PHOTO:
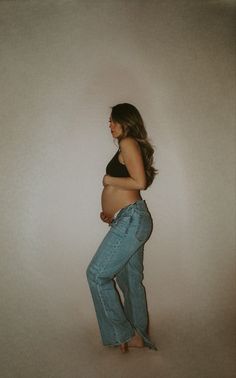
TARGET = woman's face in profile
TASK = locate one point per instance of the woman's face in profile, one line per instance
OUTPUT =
(116, 128)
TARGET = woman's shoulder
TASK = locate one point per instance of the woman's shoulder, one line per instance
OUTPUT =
(128, 142)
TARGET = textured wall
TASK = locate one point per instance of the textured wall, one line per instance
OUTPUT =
(63, 64)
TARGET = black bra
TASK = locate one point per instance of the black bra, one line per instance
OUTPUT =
(115, 168)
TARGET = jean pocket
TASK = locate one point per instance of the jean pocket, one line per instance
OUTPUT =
(144, 227)
(121, 225)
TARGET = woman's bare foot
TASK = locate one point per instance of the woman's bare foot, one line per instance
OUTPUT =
(136, 342)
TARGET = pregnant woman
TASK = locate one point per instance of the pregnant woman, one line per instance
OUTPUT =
(119, 258)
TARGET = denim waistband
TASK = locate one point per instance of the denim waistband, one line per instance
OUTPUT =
(139, 205)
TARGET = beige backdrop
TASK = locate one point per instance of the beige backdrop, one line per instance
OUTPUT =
(63, 65)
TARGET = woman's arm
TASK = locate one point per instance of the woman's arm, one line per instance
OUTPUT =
(133, 160)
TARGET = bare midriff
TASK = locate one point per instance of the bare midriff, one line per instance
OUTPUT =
(114, 199)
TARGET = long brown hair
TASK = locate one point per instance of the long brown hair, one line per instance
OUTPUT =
(132, 124)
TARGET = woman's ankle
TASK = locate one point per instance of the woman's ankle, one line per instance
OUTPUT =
(136, 341)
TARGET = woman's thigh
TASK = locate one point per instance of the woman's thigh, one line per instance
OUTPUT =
(115, 250)
(125, 237)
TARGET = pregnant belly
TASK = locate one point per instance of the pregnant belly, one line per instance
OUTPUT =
(114, 199)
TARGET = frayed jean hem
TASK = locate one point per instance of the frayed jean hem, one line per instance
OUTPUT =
(121, 342)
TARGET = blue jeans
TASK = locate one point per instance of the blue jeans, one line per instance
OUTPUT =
(119, 259)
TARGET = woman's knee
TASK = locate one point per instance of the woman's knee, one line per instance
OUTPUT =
(93, 273)
(90, 273)
(97, 276)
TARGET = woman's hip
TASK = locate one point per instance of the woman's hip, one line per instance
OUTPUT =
(133, 222)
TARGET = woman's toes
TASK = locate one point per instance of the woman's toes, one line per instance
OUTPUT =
(124, 347)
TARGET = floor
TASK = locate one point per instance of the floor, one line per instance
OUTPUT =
(65, 345)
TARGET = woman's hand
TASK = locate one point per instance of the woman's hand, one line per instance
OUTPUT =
(105, 218)
(105, 180)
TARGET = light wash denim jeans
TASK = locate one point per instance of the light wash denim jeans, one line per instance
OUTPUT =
(120, 257)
